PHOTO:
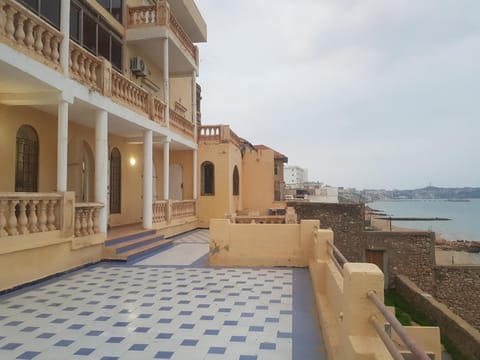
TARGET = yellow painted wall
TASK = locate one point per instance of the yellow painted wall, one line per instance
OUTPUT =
(30, 265)
(214, 206)
(11, 118)
(260, 244)
(185, 160)
(258, 180)
(181, 91)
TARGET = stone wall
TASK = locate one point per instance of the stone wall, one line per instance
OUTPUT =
(346, 221)
(457, 330)
(407, 253)
(458, 286)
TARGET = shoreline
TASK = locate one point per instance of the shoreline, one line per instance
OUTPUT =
(447, 252)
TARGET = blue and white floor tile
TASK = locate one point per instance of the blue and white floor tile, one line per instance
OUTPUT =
(148, 312)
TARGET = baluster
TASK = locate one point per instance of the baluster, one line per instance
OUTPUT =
(38, 46)
(3, 218)
(55, 51)
(96, 223)
(10, 22)
(81, 64)
(47, 46)
(22, 217)
(93, 72)
(3, 18)
(84, 222)
(12, 219)
(75, 67)
(29, 39)
(90, 213)
(20, 33)
(51, 215)
(87, 70)
(78, 222)
(42, 216)
(32, 216)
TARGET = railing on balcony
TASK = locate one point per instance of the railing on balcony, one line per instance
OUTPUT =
(29, 33)
(218, 133)
(129, 93)
(209, 133)
(271, 219)
(86, 218)
(183, 208)
(166, 211)
(160, 211)
(158, 113)
(84, 66)
(160, 15)
(25, 213)
(180, 124)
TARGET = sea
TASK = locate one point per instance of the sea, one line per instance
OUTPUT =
(464, 215)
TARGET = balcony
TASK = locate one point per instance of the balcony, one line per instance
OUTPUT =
(24, 31)
(147, 24)
(218, 134)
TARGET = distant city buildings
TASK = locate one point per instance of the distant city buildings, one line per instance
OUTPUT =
(295, 175)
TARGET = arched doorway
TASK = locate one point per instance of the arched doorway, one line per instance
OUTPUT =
(26, 170)
(87, 168)
(176, 182)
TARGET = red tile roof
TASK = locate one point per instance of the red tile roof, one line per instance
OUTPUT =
(276, 154)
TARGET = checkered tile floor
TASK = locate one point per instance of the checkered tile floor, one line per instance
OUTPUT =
(167, 306)
(147, 312)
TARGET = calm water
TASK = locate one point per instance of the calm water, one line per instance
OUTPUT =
(465, 223)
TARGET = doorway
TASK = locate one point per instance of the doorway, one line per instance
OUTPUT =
(176, 182)
(377, 257)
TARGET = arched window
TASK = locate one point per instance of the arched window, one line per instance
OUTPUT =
(115, 181)
(236, 181)
(208, 178)
(26, 170)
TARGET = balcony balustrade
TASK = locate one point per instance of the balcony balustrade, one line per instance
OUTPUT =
(129, 93)
(181, 125)
(218, 134)
(86, 218)
(160, 15)
(166, 211)
(26, 213)
(27, 32)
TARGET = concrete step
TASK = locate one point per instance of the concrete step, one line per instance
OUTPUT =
(133, 236)
(145, 250)
(128, 245)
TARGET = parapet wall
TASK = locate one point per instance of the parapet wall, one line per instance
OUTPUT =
(451, 325)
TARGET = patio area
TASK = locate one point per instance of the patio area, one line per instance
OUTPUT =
(167, 306)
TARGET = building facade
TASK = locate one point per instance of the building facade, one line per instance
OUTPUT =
(98, 125)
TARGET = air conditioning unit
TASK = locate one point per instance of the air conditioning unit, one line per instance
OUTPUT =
(138, 67)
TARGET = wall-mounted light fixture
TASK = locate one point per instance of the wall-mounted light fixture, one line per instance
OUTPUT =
(133, 161)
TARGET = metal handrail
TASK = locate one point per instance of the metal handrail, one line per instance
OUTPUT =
(389, 344)
(337, 257)
(418, 353)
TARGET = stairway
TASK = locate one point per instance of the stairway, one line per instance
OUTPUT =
(135, 246)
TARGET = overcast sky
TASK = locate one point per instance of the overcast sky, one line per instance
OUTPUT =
(365, 93)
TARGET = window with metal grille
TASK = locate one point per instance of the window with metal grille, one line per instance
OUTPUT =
(26, 170)
(208, 178)
(236, 181)
(115, 181)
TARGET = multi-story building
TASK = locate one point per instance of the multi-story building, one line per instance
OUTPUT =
(295, 175)
(98, 124)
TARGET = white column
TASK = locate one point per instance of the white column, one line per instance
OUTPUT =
(194, 102)
(62, 146)
(147, 179)
(101, 166)
(65, 29)
(166, 169)
(195, 174)
(166, 81)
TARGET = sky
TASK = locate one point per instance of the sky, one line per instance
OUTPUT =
(363, 93)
